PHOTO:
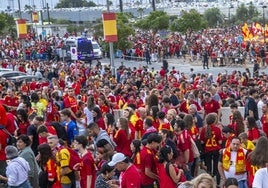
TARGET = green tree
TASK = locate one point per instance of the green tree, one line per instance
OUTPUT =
(156, 21)
(214, 17)
(189, 21)
(8, 25)
(244, 14)
(75, 4)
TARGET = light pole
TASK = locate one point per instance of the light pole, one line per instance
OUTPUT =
(19, 9)
(264, 37)
(229, 14)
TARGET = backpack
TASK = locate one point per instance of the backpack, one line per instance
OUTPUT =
(74, 158)
(11, 139)
(61, 131)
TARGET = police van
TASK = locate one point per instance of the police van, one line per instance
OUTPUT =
(83, 46)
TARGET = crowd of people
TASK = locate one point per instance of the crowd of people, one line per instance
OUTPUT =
(84, 127)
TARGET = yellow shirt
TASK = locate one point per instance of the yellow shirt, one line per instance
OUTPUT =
(63, 157)
(248, 146)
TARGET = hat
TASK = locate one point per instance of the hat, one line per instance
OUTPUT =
(117, 158)
(11, 152)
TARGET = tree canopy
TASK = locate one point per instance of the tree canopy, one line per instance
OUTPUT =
(75, 4)
(189, 21)
(214, 17)
(156, 21)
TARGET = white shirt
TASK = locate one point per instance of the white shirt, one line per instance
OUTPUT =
(231, 172)
(261, 179)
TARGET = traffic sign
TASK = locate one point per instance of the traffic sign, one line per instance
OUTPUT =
(74, 53)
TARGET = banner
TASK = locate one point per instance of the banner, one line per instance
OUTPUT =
(109, 27)
(35, 17)
(21, 28)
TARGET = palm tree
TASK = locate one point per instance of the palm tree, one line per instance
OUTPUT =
(140, 11)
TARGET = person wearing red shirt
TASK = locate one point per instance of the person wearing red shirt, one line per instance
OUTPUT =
(98, 118)
(211, 137)
(264, 118)
(70, 102)
(87, 166)
(129, 176)
(253, 131)
(171, 177)
(122, 137)
(3, 141)
(227, 132)
(148, 161)
(184, 107)
(224, 94)
(185, 146)
(103, 104)
(11, 101)
(210, 105)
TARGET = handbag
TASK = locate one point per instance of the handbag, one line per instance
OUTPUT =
(195, 149)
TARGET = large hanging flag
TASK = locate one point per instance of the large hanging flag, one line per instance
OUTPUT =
(21, 28)
(109, 27)
(35, 17)
(246, 32)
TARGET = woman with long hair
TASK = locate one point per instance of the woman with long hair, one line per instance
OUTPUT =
(257, 159)
(122, 137)
(23, 122)
(211, 137)
(135, 147)
(253, 131)
(237, 124)
(153, 114)
(204, 180)
(48, 165)
(97, 117)
(109, 123)
(169, 175)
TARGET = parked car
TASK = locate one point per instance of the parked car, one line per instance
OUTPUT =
(8, 74)
(27, 78)
(97, 50)
(5, 70)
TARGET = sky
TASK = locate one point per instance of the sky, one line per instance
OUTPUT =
(38, 3)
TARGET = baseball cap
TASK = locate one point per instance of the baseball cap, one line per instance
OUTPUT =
(117, 158)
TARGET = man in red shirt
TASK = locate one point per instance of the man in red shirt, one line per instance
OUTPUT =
(11, 101)
(149, 162)
(210, 105)
(129, 177)
(70, 102)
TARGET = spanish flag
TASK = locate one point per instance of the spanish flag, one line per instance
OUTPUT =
(109, 27)
(35, 17)
(21, 28)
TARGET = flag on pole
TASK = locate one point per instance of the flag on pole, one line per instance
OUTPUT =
(35, 17)
(109, 27)
(21, 28)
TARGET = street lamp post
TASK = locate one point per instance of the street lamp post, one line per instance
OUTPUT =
(229, 14)
(19, 8)
(264, 37)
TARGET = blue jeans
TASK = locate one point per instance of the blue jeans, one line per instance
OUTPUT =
(243, 184)
(187, 173)
(66, 185)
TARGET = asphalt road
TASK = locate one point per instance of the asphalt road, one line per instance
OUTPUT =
(183, 66)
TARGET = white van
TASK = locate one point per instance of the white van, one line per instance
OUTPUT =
(97, 50)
